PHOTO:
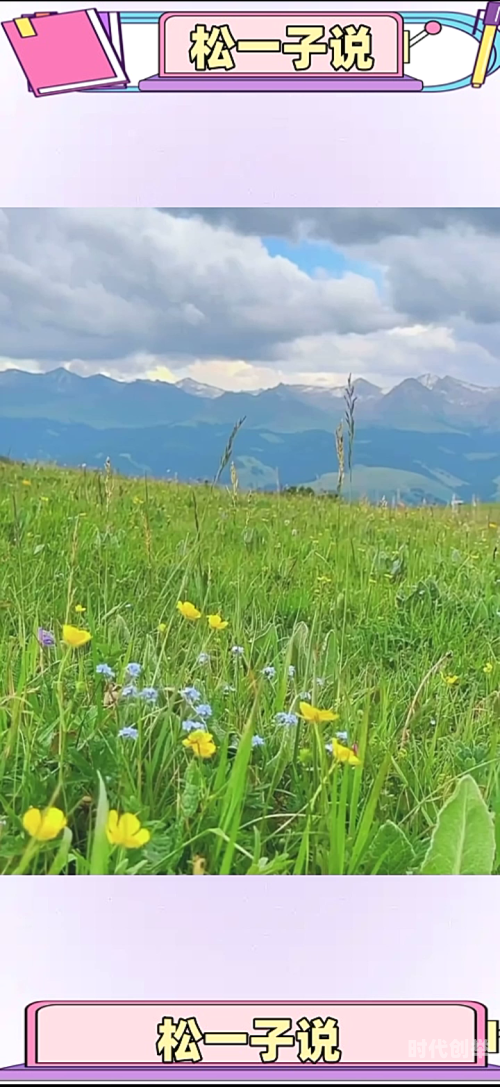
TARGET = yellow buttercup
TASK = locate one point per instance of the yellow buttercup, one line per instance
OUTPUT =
(316, 716)
(44, 825)
(75, 637)
(188, 610)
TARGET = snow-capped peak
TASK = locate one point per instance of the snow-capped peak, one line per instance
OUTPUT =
(428, 380)
(197, 388)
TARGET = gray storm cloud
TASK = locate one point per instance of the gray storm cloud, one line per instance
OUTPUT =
(127, 290)
(108, 283)
(347, 226)
(439, 263)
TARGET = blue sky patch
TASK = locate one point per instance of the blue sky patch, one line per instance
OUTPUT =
(312, 256)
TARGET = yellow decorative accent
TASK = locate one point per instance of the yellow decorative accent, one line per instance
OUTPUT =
(493, 1032)
(406, 44)
(25, 28)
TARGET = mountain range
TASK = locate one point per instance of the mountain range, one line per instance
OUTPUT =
(427, 437)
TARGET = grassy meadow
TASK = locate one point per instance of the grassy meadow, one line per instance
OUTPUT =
(339, 713)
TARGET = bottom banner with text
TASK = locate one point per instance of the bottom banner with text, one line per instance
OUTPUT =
(244, 1033)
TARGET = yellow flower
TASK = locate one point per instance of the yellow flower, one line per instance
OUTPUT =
(162, 628)
(201, 743)
(188, 610)
(450, 680)
(316, 716)
(488, 668)
(138, 501)
(126, 830)
(344, 754)
(216, 622)
(492, 524)
(44, 499)
(26, 483)
(44, 825)
(75, 637)
(80, 609)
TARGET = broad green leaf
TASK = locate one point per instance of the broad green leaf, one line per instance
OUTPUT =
(100, 845)
(390, 853)
(61, 858)
(191, 794)
(463, 841)
(366, 821)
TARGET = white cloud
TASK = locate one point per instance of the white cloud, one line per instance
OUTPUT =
(384, 357)
(236, 374)
(108, 284)
(389, 356)
(142, 293)
(31, 365)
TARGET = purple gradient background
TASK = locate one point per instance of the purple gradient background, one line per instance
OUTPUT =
(235, 938)
(305, 150)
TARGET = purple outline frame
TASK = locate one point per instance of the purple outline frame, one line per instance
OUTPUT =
(261, 1073)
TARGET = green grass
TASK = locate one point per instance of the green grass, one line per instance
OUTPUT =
(380, 481)
(369, 601)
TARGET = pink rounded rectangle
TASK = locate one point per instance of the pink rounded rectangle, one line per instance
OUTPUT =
(386, 30)
(369, 1032)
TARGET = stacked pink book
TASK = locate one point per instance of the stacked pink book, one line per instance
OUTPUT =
(67, 52)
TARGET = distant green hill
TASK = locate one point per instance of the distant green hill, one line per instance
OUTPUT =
(431, 466)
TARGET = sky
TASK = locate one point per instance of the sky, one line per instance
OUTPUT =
(247, 298)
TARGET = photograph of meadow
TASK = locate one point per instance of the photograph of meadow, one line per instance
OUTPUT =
(201, 675)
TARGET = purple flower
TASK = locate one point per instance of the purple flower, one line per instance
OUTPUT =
(134, 670)
(269, 671)
(45, 638)
(130, 691)
(291, 671)
(237, 650)
(203, 658)
(257, 741)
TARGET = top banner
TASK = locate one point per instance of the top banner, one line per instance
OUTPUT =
(329, 51)
(354, 44)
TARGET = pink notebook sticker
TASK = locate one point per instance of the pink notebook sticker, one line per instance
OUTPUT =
(65, 52)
